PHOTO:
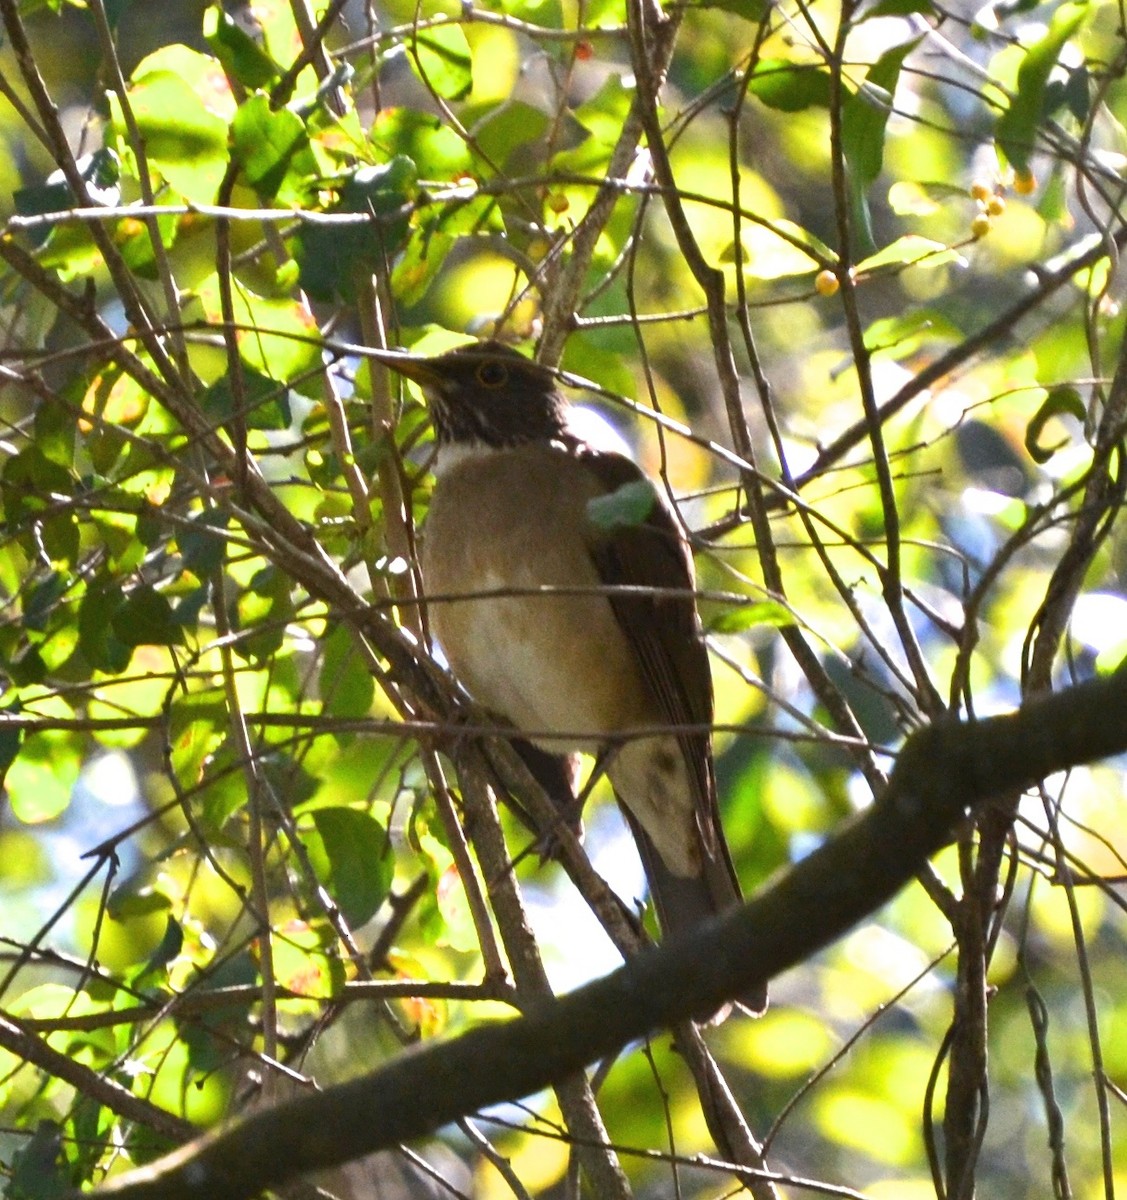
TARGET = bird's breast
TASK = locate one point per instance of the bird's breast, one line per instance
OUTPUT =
(512, 596)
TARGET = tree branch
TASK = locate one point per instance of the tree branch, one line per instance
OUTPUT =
(848, 878)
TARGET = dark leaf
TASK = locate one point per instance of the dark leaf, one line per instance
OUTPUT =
(357, 862)
(790, 87)
(329, 258)
(146, 619)
(202, 541)
(267, 403)
(1059, 402)
(38, 1166)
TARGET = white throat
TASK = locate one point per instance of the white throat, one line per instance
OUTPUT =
(453, 454)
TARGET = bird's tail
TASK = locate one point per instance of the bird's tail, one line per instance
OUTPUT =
(683, 901)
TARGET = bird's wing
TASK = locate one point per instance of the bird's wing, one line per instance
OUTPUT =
(634, 540)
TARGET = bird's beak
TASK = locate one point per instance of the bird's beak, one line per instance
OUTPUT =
(410, 366)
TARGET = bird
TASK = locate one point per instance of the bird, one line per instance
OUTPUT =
(565, 604)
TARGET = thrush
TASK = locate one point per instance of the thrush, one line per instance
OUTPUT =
(565, 604)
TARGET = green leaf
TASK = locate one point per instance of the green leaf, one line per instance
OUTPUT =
(146, 619)
(242, 57)
(424, 138)
(898, 8)
(627, 506)
(789, 86)
(265, 607)
(10, 740)
(746, 616)
(513, 125)
(41, 779)
(911, 250)
(330, 257)
(1016, 130)
(55, 431)
(1059, 402)
(441, 58)
(136, 897)
(921, 198)
(40, 600)
(38, 1166)
(97, 640)
(354, 860)
(202, 540)
(184, 140)
(267, 403)
(273, 150)
(751, 10)
(865, 114)
(170, 946)
(347, 685)
(903, 335)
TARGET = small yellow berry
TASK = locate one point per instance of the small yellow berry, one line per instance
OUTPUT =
(980, 226)
(981, 192)
(1025, 183)
(558, 202)
(826, 283)
(995, 206)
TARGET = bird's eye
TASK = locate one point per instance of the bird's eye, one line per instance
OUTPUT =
(492, 374)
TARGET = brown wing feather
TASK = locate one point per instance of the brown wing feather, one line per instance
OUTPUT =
(664, 631)
(666, 636)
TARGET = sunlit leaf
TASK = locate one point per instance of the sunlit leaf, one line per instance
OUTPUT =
(185, 140)
(305, 960)
(354, 860)
(737, 618)
(273, 149)
(41, 779)
(903, 335)
(913, 250)
(422, 137)
(1016, 129)
(916, 198)
(440, 56)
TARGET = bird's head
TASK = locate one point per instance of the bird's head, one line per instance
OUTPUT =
(486, 394)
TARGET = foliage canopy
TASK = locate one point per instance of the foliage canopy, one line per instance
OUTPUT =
(844, 275)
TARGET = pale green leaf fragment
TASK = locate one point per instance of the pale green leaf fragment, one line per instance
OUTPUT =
(627, 506)
(747, 616)
(914, 251)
